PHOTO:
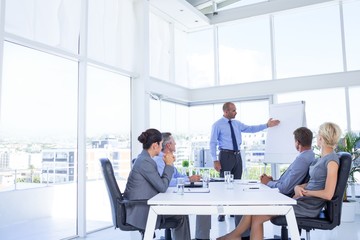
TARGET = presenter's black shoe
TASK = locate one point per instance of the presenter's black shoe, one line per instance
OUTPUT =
(245, 238)
(221, 218)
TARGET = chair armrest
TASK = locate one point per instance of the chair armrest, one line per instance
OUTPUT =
(138, 201)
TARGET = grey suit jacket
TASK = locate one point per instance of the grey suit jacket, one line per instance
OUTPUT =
(144, 182)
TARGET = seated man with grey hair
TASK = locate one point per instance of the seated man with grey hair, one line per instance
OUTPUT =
(203, 222)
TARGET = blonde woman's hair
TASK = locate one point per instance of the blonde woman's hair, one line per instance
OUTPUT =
(330, 133)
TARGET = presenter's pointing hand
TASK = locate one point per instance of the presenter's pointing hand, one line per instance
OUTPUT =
(272, 122)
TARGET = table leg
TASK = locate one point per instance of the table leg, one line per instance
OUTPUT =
(150, 225)
(292, 224)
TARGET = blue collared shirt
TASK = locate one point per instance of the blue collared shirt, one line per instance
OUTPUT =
(160, 167)
(295, 174)
(221, 134)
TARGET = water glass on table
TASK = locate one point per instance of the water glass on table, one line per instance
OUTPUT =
(180, 185)
(226, 176)
(206, 178)
(230, 182)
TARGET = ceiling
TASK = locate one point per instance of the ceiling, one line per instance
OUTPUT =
(191, 15)
(215, 6)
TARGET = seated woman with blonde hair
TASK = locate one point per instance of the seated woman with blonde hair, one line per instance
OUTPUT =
(311, 196)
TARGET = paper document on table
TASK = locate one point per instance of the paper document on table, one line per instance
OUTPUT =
(217, 179)
(196, 190)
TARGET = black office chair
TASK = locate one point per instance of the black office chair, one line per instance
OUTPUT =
(118, 203)
(330, 216)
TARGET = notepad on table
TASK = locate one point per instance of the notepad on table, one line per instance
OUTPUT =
(193, 185)
(217, 179)
(259, 188)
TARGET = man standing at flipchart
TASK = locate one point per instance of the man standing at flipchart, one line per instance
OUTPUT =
(226, 135)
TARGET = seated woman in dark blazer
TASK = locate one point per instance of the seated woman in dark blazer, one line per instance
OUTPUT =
(144, 182)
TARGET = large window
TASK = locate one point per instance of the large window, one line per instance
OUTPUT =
(111, 33)
(325, 105)
(159, 42)
(108, 136)
(38, 133)
(201, 119)
(39, 111)
(308, 42)
(352, 34)
(200, 58)
(181, 66)
(244, 51)
(55, 23)
(354, 93)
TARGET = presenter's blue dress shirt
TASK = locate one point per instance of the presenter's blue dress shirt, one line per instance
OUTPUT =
(221, 134)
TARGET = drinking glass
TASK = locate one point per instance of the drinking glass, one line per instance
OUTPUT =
(226, 176)
(230, 181)
(206, 178)
(180, 185)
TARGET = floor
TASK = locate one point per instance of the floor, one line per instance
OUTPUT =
(61, 227)
(49, 230)
(348, 231)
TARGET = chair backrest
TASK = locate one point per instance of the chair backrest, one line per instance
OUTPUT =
(118, 211)
(330, 217)
(333, 207)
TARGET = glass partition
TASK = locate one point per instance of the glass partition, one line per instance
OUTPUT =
(352, 34)
(354, 93)
(200, 58)
(111, 32)
(54, 23)
(108, 136)
(325, 105)
(38, 139)
(160, 52)
(244, 51)
(306, 37)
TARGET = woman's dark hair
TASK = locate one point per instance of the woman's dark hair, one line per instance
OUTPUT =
(149, 137)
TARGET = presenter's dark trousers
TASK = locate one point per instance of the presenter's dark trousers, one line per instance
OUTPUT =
(231, 161)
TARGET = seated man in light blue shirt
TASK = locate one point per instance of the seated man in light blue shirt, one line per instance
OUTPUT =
(161, 164)
(298, 170)
(203, 222)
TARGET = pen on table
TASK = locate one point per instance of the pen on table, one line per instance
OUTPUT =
(251, 188)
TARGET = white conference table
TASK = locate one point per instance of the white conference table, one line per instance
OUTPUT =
(241, 200)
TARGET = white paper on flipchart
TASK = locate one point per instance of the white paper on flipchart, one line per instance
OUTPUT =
(279, 146)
